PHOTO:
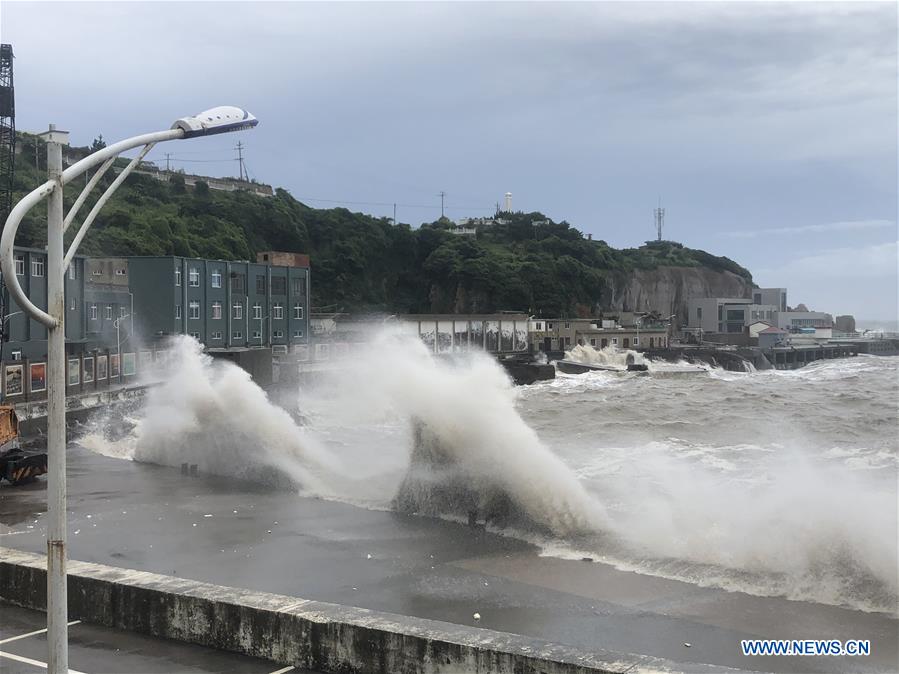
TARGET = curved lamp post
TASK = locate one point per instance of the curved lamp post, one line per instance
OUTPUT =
(217, 120)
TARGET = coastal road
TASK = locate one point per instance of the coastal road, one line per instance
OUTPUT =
(232, 533)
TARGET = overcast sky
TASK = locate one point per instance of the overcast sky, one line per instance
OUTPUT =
(768, 130)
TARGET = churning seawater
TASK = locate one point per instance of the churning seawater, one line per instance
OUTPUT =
(770, 483)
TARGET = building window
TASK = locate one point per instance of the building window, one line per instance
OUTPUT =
(278, 334)
(238, 310)
(178, 312)
(20, 265)
(699, 313)
(93, 312)
(297, 334)
(260, 284)
(277, 311)
(549, 326)
(593, 341)
(120, 271)
(73, 305)
(279, 285)
(216, 279)
(603, 343)
(757, 298)
(177, 277)
(193, 277)
(614, 341)
(299, 286)
(237, 282)
(193, 310)
(37, 267)
(568, 326)
(195, 335)
(636, 341)
(122, 313)
(216, 336)
(216, 310)
(16, 355)
(626, 342)
(237, 334)
(298, 312)
(72, 273)
(257, 334)
(257, 312)
(108, 312)
(568, 341)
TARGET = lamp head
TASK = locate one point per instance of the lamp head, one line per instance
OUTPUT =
(222, 119)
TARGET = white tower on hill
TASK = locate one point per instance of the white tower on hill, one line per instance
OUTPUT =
(507, 202)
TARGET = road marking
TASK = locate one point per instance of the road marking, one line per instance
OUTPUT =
(284, 671)
(29, 661)
(32, 634)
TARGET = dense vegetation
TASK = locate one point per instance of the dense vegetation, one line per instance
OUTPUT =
(362, 262)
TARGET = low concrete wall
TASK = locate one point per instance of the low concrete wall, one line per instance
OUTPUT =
(293, 631)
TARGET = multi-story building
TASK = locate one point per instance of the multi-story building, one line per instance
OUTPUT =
(727, 314)
(92, 305)
(734, 316)
(222, 304)
(773, 296)
(561, 334)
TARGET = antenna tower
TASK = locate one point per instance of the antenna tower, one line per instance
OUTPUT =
(659, 214)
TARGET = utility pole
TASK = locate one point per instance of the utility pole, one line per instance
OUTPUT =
(659, 214)
(57, 603)
(442, 195)
(394, 213)
(239, 149)
(168, 165)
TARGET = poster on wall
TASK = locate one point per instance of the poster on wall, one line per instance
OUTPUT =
(38, 377)
(114, 365)
(129, 364)
(14, 380)
(74, 372)
(88, 374)
(101, 368)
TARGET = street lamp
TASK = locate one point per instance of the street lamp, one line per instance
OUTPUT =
(217, 120)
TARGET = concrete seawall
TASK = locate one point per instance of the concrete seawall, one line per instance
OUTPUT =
(300, 632)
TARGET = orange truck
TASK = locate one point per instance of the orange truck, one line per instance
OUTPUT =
(16, 467)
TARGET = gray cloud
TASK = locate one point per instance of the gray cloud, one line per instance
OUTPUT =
(850, 225)
(741, 116)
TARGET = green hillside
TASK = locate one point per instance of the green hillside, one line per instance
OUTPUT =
(364, 263)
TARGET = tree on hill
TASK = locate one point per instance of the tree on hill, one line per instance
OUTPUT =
(526, 262)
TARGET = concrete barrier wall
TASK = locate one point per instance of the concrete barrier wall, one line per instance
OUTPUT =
(293, 631)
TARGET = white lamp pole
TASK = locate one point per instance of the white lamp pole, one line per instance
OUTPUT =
(217, 120)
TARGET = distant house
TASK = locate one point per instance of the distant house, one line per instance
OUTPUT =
(771, 337)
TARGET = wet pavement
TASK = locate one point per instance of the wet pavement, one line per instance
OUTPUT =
(232, 533)
(98, 650)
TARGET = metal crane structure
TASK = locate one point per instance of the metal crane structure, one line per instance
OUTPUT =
(7, 130)
(7, 159)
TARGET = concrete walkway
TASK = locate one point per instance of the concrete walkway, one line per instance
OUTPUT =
(96, 650)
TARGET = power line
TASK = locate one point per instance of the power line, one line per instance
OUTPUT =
(391, 204)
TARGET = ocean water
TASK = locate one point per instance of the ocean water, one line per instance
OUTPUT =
(772, 483)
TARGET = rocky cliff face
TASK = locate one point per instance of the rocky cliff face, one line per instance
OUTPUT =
(667, 289)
